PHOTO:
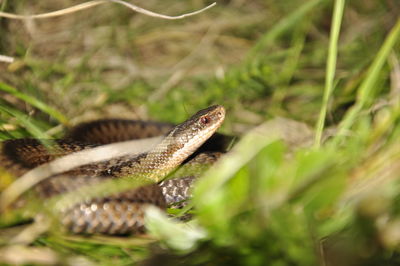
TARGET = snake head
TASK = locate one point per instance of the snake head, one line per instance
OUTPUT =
(192, 133)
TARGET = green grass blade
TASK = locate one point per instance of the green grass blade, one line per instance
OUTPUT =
(283, 25)
(367, 87)
(25, 121)
(330, 68)
(34, 102)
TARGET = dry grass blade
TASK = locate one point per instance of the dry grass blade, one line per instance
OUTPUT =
(380, 169)
(18, 255)
(395, 80)
(6, 59)
(94, 3)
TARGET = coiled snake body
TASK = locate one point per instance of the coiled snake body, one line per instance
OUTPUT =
(122, 213)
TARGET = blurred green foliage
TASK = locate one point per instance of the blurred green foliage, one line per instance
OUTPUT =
(270, 201)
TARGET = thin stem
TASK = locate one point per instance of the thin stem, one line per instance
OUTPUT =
(330, 68)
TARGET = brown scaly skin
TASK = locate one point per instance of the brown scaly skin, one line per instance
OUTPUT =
(121, 213)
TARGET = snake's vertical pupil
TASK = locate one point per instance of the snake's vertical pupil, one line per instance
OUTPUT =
(205, 120)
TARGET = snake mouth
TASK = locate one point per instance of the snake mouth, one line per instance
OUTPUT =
(201, 126)
(219, 112)
(187, 137)
(218, 115)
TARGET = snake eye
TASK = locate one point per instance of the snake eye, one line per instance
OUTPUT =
(205, 120)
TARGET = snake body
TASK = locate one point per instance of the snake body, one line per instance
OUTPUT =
(122, 213)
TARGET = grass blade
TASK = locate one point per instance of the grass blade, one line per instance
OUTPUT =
(282, 26)
(25, 121)
(368, 88)
(34, 102)
(330, 68)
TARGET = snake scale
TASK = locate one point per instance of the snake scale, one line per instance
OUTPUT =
(191, 142)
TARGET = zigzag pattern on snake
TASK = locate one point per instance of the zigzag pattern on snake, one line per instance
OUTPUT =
(122, 213)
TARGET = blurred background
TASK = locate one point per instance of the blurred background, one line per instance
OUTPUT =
(259, 58)
(334, 204)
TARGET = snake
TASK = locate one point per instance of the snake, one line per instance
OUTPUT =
(194, 141)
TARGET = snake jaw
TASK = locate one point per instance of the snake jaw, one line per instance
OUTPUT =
(192, 133)
(199, 127)
(205, 126)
